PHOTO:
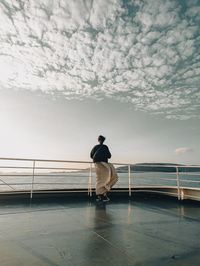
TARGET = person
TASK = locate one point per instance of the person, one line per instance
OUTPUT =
(106, 175)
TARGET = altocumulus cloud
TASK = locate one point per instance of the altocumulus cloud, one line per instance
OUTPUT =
(183, 150)
(141, 51)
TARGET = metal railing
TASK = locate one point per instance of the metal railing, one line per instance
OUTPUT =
(19, 175)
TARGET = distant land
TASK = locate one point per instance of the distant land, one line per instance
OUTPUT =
(155, 167)
(152, 167)
(158, 167)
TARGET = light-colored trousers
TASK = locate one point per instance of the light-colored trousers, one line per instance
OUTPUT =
(106, 177)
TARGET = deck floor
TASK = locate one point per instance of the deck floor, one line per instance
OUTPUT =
(140, 231)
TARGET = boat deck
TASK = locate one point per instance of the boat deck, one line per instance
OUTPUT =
(141, 230)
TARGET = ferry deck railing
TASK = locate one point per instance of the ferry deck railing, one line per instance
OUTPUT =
(14, 170)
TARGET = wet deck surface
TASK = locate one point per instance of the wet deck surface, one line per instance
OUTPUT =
(144, 231)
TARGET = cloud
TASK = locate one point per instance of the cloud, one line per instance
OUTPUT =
(183, 150)
(143, 52)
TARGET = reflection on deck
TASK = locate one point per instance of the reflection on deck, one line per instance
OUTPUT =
(144, 230)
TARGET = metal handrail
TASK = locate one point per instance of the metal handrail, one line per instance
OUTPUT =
(115, 163)
(90, 168)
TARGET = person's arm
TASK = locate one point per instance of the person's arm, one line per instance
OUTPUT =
(92, 152)
(108, 153)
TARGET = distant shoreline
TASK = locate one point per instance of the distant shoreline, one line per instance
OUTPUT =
(158, 167)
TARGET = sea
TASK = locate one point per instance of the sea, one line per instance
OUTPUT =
(78, 179)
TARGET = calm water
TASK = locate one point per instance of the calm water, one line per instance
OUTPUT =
(80, 180)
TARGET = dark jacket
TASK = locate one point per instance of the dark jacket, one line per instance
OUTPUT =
(100, 153)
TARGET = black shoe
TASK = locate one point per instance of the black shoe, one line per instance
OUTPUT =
(105, 198)
(99, 198)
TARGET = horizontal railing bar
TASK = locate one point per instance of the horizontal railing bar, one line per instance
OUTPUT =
(16, 167)
(87, 162)
(85, 169)
(190, 181)
(75, 169)
(69, 161)
(40, 175)
(46, 175)
(146, 177)
(167, 178)
(143, 172)
(43, 160)
(167, 165)
(65, 183)
(61, 168)
(189, 173)
(167, 173)
(93, 170)
(136, 187)
(43, 183)
(44, 168)
(56, 161)
(13, 184)
(44, 191)
(70, 176)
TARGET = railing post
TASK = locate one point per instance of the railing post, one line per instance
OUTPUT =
(90, 182)
(178, 183)
(33, 177)
(129, 180)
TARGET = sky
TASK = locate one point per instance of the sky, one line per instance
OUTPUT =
(126, 69)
